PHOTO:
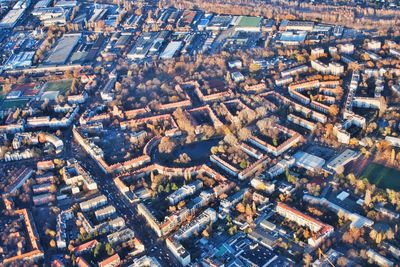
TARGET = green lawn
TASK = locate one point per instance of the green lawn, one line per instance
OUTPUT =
(249, 22)
(6, 104)
(382, 176)
(2, 94)
(61, 86)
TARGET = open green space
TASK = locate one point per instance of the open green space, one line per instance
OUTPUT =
(199, 153)
(7, 104)
(61, 86)
(249, 21)
(382, 176)
(2, 94)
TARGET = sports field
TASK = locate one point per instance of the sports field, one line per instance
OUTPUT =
(9, 104)
(61, 86)
(382, 176)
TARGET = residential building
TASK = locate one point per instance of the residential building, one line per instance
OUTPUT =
(93, 203)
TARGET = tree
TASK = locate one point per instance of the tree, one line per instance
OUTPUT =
(168, 188)
(96, 250)
(109, 249)
(181, 204)
(232, 230)
(152, 176)
(183, 158)
(342, 261)
(240, 208)
(205, 233)
(333, 110)
(367, 198)
(231, 139)
(379, 238)
(254, 67)
(166, 145)
(208, 131)
(275, 142)
(52, 243)
(389, 234)
(174, 187)
(73, 259)
(16, 114)
(243, 164)
(249, 211)
(254, 208)
(290, 178)
(50, 233)
(351, 177)
(244, 134)
(306, 234)
(307, 259)
(393, 156)
(160, 188)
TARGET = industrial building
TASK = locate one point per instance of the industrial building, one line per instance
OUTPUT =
(171, 50)
(63, 50)
(11, 18)
(308, 161)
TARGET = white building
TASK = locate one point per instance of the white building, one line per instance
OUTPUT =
(12, 18)
(104, 212)
(176, 248)
(374, 45)
(235, 64)
(237, 76)
(346, 48)
(320, 66)
(74, 175)
(184, 192)
(308, 161)
(379, 259)
(145, 261)
(336, 68)
(280, 167)
(262, 185)
(317, 52)
(333, 50)
(207, 217)
(394, 141)
(172, 49)
(93, 203)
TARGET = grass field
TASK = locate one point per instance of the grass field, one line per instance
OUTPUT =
(382, 176)
(2, 94)
(61, 86)
(6, 104)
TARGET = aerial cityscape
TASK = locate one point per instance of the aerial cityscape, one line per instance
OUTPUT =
(199, 133)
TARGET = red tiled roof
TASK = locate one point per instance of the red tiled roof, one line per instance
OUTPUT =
(114, 260)
(81, 262)
(88, 245)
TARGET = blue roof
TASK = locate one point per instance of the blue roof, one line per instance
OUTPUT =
(203, 22)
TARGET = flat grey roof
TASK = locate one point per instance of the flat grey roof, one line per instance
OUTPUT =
(63, 49)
